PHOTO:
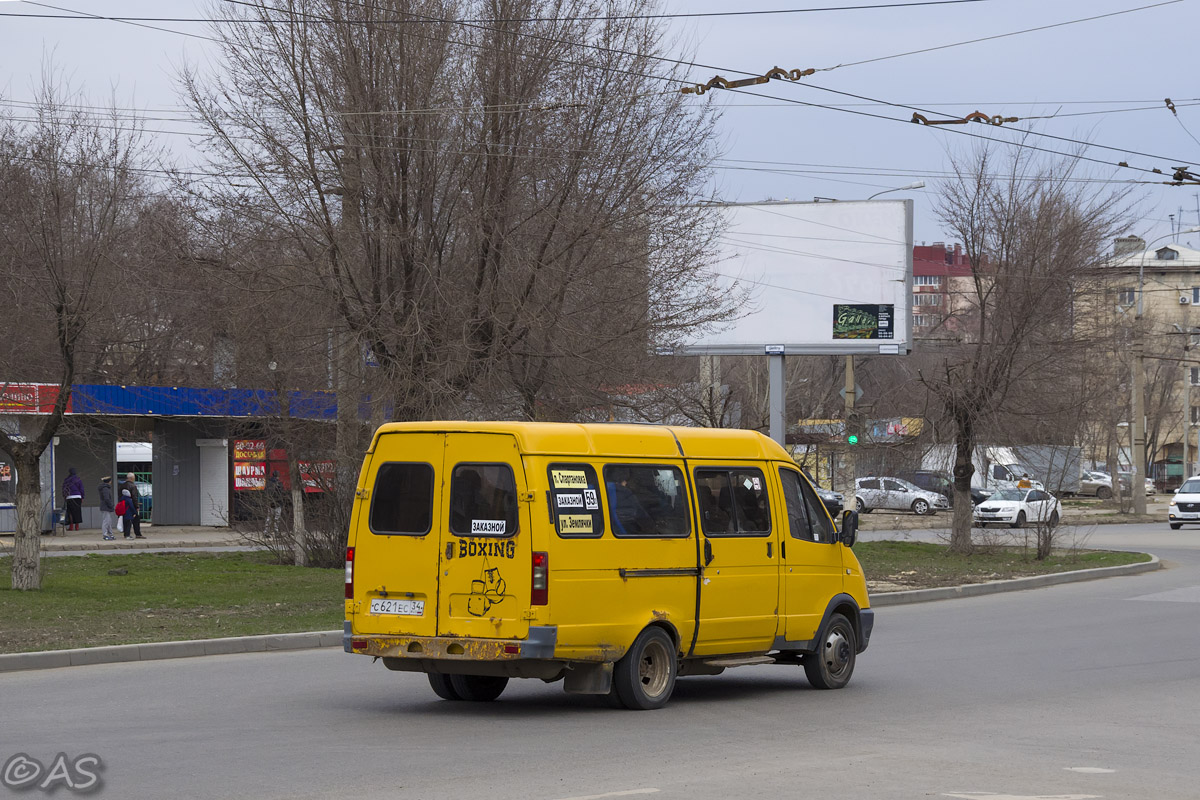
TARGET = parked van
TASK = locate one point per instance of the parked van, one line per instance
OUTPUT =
(612, 557)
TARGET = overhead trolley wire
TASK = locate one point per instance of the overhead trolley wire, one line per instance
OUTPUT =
(692, 64)
(598, 18)
(998, 36)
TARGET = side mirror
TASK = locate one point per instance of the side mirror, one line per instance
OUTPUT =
(849, 532)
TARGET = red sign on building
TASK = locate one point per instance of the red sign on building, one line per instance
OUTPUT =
(29, 398)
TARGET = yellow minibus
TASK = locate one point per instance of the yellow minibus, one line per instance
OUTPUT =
(612, 557)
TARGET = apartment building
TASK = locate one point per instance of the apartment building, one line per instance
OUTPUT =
(942, 289)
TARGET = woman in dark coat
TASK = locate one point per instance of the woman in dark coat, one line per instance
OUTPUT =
(72, 490)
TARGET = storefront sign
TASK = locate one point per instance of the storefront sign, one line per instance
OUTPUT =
(29, 398)
(249, 475)
(249, 449)
(317, 475)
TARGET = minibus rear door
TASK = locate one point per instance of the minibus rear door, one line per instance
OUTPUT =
(485, 556)
(396, 553)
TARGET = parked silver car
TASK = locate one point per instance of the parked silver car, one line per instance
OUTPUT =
(1096, 483)
(897, 494)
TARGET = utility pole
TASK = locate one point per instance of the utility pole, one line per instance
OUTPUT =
(850, 466)
(1138, 484)
(1138, 487)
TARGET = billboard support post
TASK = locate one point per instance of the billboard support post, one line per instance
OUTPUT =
(775, 396)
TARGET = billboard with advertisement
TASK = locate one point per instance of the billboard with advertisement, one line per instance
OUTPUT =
(831, 278)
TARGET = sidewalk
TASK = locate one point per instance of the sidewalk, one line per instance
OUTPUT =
(155, 537)
(200, 536)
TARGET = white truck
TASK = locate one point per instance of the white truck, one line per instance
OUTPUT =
(1051, 467)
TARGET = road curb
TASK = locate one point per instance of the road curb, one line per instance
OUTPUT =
(884, 599)
(151, 651)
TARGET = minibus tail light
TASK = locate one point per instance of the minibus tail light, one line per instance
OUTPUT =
(349, 573)
(541, 579)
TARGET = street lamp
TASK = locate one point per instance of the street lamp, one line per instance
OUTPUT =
(919, 185)
(1139, 378)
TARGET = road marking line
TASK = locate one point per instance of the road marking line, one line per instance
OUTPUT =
(626, 793)
(1090, 770)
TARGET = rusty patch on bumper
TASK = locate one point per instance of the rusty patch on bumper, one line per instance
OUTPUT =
(438, 647)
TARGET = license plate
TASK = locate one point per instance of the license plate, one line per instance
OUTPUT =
(1186, 515)
(405, 608)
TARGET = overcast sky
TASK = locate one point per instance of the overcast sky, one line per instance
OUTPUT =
(1128, 61)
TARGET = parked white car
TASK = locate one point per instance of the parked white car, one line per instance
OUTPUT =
(1185, 505)
(893, 493)
(1017, 507)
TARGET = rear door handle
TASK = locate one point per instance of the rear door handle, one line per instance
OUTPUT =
(768, 549)
(708, 553)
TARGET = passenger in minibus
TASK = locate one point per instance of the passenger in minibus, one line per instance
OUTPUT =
(629, 515)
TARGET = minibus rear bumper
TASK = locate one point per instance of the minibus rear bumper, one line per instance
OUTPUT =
(539, 644)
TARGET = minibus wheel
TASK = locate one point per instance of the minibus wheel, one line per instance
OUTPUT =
(645, 677)
(833, 663)
(441, 686)
(478, 688)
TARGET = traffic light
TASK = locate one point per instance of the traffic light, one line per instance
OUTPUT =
(852, 439)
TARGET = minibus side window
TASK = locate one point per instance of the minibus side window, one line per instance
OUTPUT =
(402, 499)
(646, 501)
(797, 514)
(820, 527)
(575, 501)
(483, 500)
(733, 502)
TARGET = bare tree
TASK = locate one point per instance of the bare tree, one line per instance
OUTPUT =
(69, 215)
(505, 207)
(1032, 237)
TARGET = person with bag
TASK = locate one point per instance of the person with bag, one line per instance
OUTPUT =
(133, 526)
(126, 511)
(107, 509)
(72, 490)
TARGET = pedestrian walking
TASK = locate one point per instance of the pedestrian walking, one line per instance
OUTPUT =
(134, 524)
(72, 490)
(108, 516)
(275, 497)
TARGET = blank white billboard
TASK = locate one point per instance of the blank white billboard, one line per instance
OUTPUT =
(824, 278)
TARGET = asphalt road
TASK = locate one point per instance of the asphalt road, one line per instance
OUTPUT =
(1085, 690)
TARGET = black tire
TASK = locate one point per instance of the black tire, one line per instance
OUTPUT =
(442, 687)
(920, 507)
(1020, 523)
(1104, 492)
(478, 688)
(645, 677)
(1053, 519)
(1176, 526)
(860, 506)
(833, 663)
